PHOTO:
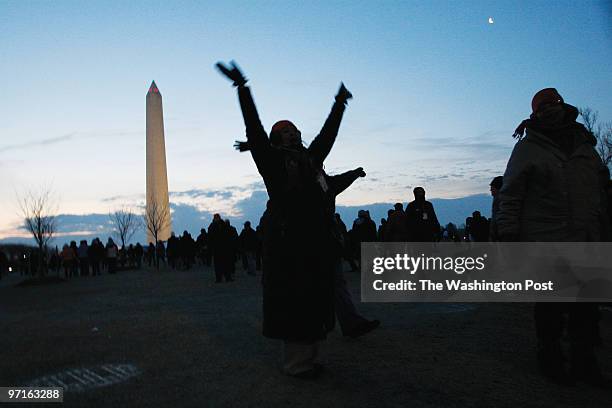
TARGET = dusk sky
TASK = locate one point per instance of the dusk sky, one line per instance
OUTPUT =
(438, 91)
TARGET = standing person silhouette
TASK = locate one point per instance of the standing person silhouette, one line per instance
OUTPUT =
(248, 246)
(553, 191)
(298, 282)
(423, 225)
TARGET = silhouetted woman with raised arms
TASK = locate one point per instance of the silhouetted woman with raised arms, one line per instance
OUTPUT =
(299, 248)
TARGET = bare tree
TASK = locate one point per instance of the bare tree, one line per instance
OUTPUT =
(38, 210)
(602, 132)
(156, 219)
(125, 224)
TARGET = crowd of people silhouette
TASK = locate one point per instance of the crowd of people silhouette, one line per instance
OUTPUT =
(221, 246)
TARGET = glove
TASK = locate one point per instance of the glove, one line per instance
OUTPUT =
(360, 172)
(232, 72)
(343, 94)
(241, 146)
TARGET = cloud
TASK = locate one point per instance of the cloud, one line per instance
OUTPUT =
(67, 137)
(70, 227)
(431, 178)
(186, 217)
(42, 142)
(193, 208)
(252, 208)
(239, 204)
(11, 163)
(481, 146)
(132, 198)
(94, 223)
(197, 193)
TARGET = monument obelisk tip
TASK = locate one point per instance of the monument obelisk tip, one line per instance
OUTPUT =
(153, 88)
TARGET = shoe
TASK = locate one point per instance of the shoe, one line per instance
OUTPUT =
(363, 328)
(311, 374)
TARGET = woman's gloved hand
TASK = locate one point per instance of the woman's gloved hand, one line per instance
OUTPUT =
(232, 72)
(343, 94)
(360, 172)
(241, 146)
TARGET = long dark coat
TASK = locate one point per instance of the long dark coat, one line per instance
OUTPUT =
(298, 258)
(423, 225)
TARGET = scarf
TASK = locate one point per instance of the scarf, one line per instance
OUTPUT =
(549, 119)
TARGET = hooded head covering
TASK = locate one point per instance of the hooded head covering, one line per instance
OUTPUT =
(544, 97)
(282, 124)
(277, 128)
(497, 182)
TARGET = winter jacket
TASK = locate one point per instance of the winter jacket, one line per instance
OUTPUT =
(553, 187)
(423, 225)
(397, 227)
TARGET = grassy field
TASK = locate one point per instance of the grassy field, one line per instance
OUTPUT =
(191, 342)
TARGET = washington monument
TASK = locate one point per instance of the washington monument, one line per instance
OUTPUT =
(157, 177)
